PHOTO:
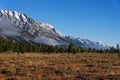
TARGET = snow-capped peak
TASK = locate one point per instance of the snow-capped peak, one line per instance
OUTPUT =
(46, 25)
(2, 12)
(6, 11)
(51, 28)
(20, 27)
(16, 14)
(102, 43)
(10, 13)
(23, 16)
(10, 20)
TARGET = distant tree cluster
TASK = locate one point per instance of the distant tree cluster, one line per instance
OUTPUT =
(11, 46)
(73, 49)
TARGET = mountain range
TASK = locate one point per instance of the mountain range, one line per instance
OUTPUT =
(22, 28)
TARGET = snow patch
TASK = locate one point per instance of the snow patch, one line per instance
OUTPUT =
(2, 11)
(102, 43)
(5, 11)
(47, 26)
(23, 17)
(17, 15)
(57, 32)
(10, 13)
(81, 41)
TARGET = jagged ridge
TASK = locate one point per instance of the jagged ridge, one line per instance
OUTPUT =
(20, 27)
(21, 24)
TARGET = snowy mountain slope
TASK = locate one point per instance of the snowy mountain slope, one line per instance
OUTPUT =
(8, 29)
(14, 24)
(87, 43)
(20, 27)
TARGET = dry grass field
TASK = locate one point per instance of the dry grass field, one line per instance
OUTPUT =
(43, 66)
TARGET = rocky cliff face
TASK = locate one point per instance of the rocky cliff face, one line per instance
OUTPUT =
(21, 28)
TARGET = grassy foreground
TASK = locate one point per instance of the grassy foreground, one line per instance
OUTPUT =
(43, 66)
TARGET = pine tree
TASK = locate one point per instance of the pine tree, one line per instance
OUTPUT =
(94, 50)
(22, 48)
(72, 49)
(118, 48)
(56, 49)
(112, 50)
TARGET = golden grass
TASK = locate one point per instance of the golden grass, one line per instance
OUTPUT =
(61, 66)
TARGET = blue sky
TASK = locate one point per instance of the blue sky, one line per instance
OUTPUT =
(97, 20)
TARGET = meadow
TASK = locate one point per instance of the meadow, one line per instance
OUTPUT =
(60, 66)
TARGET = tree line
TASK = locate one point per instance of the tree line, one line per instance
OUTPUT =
(10, 46)
(75, 49)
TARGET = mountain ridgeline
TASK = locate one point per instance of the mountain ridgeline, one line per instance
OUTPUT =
(18, 27)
